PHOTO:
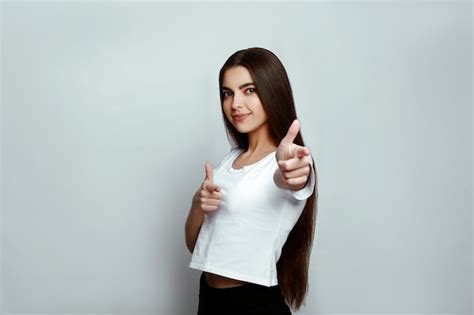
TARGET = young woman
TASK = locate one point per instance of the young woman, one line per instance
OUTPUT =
(251, 224)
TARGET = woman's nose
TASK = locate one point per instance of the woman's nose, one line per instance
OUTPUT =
(237, 101)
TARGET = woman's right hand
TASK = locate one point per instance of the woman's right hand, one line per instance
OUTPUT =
(208, 197)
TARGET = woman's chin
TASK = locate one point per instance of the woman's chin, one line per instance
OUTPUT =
(241, 129)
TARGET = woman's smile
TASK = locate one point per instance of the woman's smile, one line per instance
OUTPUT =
(241, 118)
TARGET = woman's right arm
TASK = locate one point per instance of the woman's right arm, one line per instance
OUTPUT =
(193, 225)
(207, 198)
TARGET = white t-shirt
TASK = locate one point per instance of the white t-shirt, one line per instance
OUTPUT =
(244, 237)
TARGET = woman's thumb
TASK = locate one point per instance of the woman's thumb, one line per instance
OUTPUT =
(209, 172)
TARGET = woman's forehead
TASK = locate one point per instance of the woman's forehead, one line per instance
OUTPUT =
(236, 76)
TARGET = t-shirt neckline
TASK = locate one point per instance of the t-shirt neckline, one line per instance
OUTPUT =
(245, 168)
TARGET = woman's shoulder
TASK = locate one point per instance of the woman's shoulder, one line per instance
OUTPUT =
(235, 149)
(232, 152)
(229, 154)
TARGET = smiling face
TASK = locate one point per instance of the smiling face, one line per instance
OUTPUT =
(241, 103)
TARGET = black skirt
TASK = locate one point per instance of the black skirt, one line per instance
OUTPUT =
(248, 299)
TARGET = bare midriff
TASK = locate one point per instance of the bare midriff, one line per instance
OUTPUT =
(221, 282)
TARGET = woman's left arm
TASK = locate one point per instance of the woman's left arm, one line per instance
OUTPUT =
(294, 162)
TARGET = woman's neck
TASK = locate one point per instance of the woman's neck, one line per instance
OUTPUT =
(260, 141)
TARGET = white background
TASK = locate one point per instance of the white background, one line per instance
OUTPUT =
(110, 110)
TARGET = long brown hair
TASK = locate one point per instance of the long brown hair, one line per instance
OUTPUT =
(275, 94)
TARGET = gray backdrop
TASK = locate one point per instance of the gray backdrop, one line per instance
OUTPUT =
(110, 110)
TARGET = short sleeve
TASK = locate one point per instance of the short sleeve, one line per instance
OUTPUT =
(307, 190)
(227, 156)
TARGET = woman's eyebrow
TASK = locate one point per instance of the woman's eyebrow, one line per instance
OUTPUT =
(240, 87)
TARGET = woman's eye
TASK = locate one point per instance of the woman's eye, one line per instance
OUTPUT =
(225, 93)
(251, 90)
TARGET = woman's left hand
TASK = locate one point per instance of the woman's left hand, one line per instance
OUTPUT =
(294, 161)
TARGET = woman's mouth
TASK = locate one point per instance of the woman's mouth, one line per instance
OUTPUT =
(241, 118)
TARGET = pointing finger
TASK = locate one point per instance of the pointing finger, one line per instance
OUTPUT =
(211, 187)
(294, 163)
(301, 151)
